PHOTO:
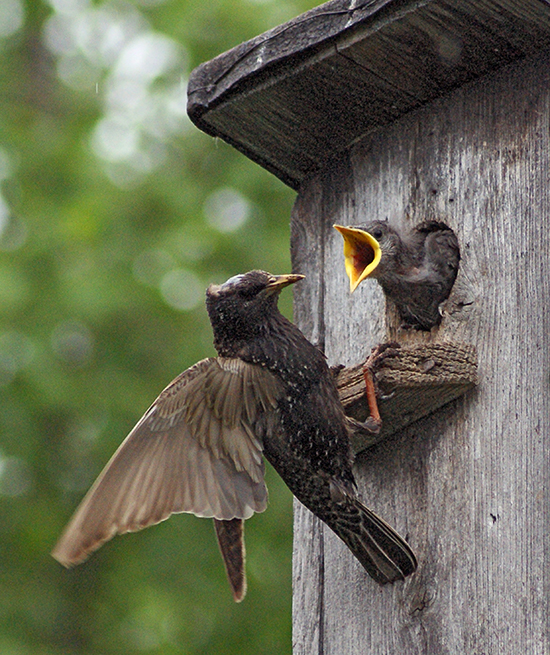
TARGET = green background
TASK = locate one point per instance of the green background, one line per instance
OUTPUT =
(115, 214)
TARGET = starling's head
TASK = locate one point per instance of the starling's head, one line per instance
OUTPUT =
(243, 303)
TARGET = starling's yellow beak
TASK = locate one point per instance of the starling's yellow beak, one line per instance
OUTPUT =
(279, 282)
(362, 254)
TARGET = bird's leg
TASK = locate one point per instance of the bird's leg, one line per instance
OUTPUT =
(374, 422)
(380, 352)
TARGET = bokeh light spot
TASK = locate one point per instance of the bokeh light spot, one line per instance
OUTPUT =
(226, 210)
(73, 343)
(182, 289)
(12, 17)
(15, 476)
(16, 352)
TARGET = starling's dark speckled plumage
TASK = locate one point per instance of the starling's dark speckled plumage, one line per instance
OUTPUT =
(417, 270)
(199, 447)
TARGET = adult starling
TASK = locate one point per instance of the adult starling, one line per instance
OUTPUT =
(199, 447)
(417, 270)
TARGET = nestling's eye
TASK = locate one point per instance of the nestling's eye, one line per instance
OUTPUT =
(377, 232)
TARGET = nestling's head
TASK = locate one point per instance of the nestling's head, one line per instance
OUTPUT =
(391, 246)
(369, 251)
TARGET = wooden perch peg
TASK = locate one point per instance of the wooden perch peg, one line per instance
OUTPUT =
(412, 381)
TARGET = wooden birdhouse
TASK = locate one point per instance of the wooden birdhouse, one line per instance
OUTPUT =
(412, 111)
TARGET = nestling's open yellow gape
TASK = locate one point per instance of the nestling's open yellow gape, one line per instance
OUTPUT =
(362, 254)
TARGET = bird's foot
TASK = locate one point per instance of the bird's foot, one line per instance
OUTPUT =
(378, 354)
(372, 425)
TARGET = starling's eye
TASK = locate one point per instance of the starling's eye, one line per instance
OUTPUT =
(250, 291)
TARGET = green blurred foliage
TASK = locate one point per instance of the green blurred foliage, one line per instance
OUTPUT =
(115, 214)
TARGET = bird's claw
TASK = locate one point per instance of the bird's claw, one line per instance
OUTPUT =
(372, 425)
(379, 353)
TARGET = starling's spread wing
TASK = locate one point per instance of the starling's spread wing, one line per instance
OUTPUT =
(194, 451)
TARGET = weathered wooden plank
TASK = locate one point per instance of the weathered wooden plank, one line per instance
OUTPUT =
(277, 111)
(257, 60)
(295, 96)
(470, 484)
(307, 251)
(413, 381)
(445, 39)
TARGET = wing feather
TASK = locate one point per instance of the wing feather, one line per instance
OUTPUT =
(195, 450)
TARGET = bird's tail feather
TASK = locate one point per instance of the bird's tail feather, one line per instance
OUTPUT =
(383, 553)
(230, 536)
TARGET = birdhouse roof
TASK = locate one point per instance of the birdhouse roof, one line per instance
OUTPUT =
(295, 96)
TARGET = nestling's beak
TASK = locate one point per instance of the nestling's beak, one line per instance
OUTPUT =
(279, 282)
(362, 254)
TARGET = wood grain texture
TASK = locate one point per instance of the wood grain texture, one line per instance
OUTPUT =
(307, 250)
(469, 485)
(292, 98)
(413, 382)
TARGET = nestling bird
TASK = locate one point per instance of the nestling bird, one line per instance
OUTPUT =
(199, 447)
(417, 270)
